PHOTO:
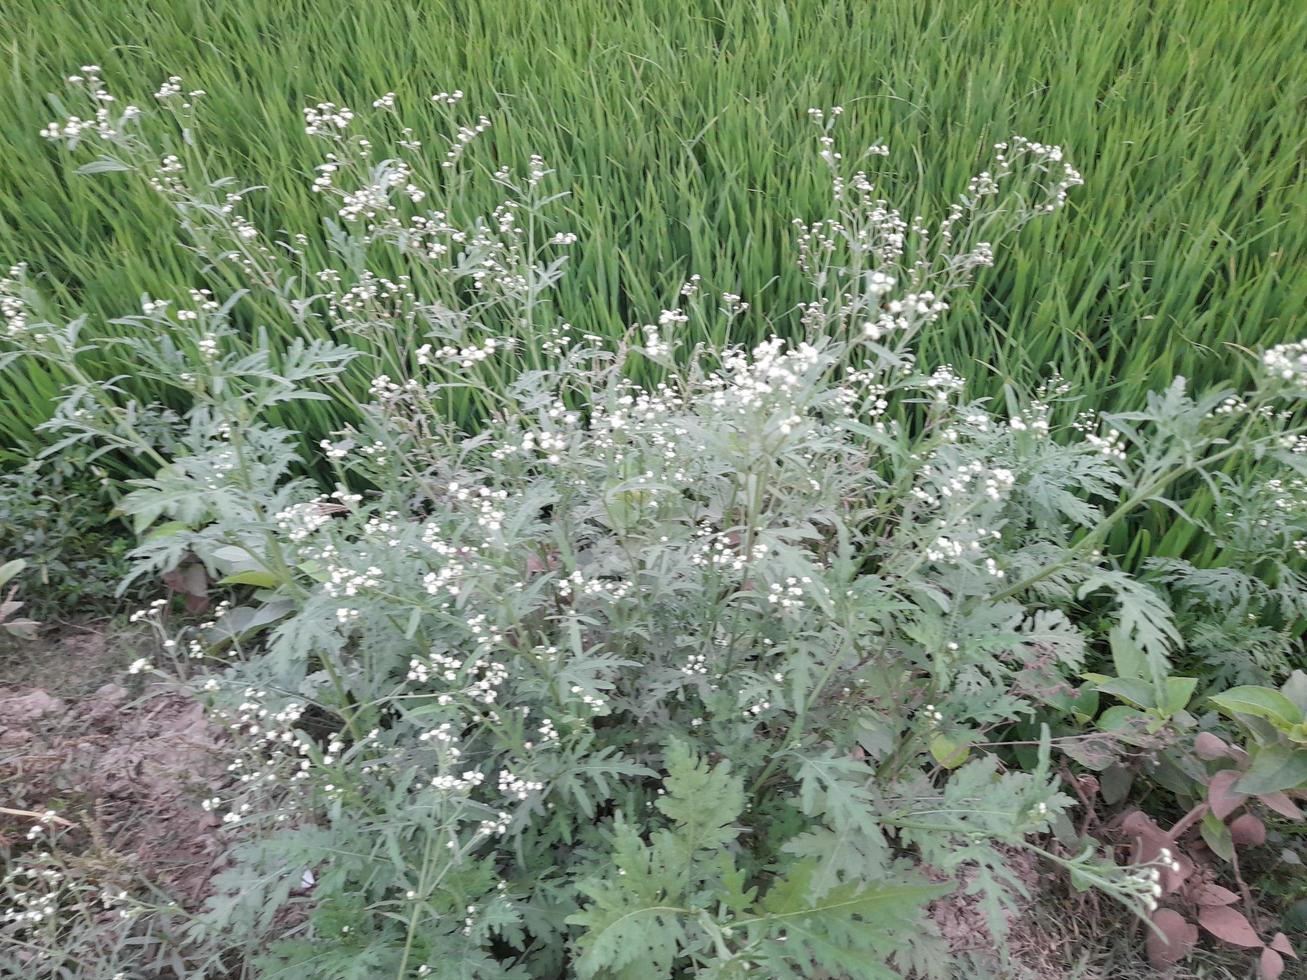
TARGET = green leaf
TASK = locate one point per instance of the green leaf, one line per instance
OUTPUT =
(1295, 689)
(1217, 835)
(703, 801)
(104, 165)
(631, 919)
(1114, 783)
(1086, 703)
(1178, 692)
(847, 933)
(1260, 702)
(837, 787)
(948, 753)
(263, 580)
(167, 529)
(1275, 767)
(244, 620)
(1146, 621)
(11, 568)
(1132, 690)
(787, 899)
(840, 857)
(1116, 718)
(1127, 657)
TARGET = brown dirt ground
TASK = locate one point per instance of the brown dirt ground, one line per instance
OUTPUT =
(126, 765)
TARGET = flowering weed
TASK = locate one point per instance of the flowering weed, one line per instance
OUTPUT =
(691, 657)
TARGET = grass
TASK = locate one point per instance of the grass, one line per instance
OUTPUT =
(680, 128)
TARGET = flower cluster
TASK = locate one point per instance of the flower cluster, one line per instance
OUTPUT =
(1288, 362)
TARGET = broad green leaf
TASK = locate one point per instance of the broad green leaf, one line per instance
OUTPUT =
(1275, 767)
(11, 568)
(244, 620)
(1260, 702)
(1132, 690)
(1217, 835)
(947, 752)
(1119, 716)
(1178, 692)
(1086, 703)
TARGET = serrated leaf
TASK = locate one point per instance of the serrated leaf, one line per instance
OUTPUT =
(704, 801)
(839, 857)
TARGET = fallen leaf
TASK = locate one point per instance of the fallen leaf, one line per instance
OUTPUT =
(1282, 944)
(1270, 966)
(1212, 894)
(1176, 939)
(1229, 925)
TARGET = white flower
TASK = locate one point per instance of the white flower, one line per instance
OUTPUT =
(1288, 362)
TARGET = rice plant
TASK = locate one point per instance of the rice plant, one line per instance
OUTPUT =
(674, 124)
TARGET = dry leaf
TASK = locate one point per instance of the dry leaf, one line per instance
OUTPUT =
(1281, 804)
(1177, 939)
(1208, 746)
(1211, 894)
(1281, 944)
(1221, 794)
(1229, 925)
(1248, 830)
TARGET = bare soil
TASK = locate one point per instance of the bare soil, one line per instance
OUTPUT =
(126, 762)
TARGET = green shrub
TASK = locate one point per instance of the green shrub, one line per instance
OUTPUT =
(707, 675)
(53, 514)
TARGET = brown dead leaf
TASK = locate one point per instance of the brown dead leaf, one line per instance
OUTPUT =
(1270, 966)
(1210, 893)
(1248, 830)
(1177, 938)
(1221, 794)
(1229, 925)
